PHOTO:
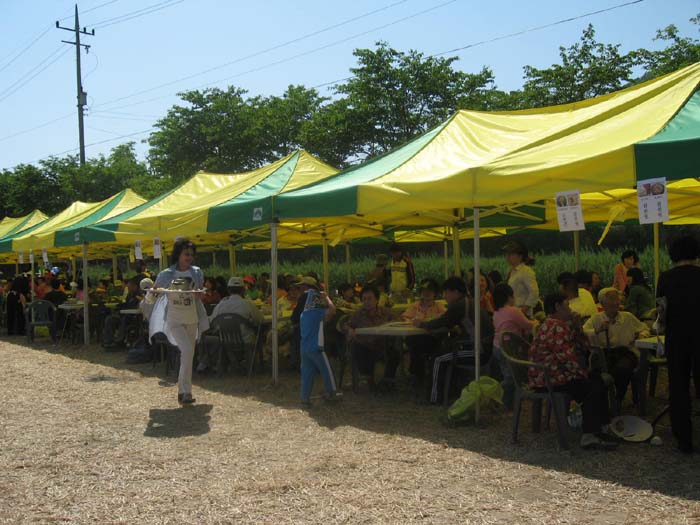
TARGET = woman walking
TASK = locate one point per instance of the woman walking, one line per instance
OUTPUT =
(180, 316)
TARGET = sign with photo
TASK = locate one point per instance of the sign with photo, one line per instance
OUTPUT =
(569, 213)
(652, 200)
(138, 253)
(156, 248)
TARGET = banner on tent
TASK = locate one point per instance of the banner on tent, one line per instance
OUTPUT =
(569, 213)
(156, 248)
(137, 250)
(652, 200)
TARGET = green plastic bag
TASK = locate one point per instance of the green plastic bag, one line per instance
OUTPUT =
(486, 391)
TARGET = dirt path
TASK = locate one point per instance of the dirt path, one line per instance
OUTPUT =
(86, 439)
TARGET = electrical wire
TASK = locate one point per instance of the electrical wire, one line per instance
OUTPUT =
(25, 79)
(89, 10)
(24, 49)
(136, 14)
(29, 130)
(253, 55)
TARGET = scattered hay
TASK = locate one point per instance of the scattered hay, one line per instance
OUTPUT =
(87, 439)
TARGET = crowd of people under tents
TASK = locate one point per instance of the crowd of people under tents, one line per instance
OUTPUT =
(562, 327)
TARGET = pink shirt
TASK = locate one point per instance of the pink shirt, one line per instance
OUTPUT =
(510, 319)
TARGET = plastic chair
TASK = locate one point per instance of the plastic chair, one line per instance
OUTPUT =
(228, 328)
(515, 350)
(457, 362)
(40, 313)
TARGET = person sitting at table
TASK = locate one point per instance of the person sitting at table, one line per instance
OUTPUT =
(119, 322)
(507, 318)
(679, 294)
(235, 303)
(560, 346)
(40, 288)
(419, 346)
(346, 297)
(580, 300)
(221, 286)
(211, 294)
(629, 259)
(368, 349)
(639, 300)
(616, 331)
(56, 296)
(459, 320)
(281, 291)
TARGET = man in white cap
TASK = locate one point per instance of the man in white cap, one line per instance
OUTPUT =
(236, 303)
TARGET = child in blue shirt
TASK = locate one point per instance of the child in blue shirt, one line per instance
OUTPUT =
(318, 308)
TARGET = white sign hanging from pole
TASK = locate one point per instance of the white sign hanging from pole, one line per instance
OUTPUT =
(138, 254)
(31, 256)
(21, 257)
(569, 213)
(156, 248)
(652, 200)
(44, 255)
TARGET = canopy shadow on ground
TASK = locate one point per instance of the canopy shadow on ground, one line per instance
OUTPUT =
(638, 466)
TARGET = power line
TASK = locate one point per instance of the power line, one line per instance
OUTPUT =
(90, 10)
(537, 28)
(24, 50)
(33, 73)
(253, 55)
(17, 134)
(136, 14)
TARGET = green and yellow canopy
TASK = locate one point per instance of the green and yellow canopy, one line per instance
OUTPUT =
(10, 226)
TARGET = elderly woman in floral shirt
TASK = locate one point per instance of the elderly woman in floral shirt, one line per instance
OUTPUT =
(559, 344)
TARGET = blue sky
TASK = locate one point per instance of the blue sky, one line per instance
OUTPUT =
(182, 38)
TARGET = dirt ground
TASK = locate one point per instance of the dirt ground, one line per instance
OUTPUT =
(85, 438)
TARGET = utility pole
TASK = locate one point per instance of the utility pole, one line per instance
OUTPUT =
(82, 95)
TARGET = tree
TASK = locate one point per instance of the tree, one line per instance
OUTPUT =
(680, 52)
(588, 69)
(222, 131)
(26, 188)
(392, 97)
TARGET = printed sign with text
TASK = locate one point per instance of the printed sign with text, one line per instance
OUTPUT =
(569, 213)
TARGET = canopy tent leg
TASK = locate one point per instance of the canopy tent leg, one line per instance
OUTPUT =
(232, 259)
(477, 306)
(348, 272)
(73, 269)
(273, 277)
(446, 255)
(86, 297)
(17, 267)
(32, 277)
(657, 262)
(577, 250)
(326, 269)
(213, 258)
(456, 251)
(115, 268)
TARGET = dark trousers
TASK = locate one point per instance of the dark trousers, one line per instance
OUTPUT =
(592, 394)
(683, 354)
(15, 315)
(622, 363)
(420, 347)
(367, 357)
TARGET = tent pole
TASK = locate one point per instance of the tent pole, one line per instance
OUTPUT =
(273, 277)
(577, 250)
(17, 267)
(446, 253)
(477, 305)
(74, 269)
(657, 263)
(232, 259)
(326, 269)
(86, 297)
(115, 268)
(31, 270)
(213, 258)
(456, 251)
(348, 272)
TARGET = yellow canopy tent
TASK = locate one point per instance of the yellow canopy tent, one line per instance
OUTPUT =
(13, 225)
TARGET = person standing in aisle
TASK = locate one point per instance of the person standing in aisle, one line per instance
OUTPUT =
(678, 292)
(521, 277)
(181, 316)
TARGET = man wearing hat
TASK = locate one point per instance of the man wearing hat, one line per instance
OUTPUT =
(235, 303)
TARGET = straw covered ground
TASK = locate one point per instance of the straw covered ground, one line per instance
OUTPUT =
(87, 439)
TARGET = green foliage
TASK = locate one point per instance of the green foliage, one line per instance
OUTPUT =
(679, 52)
(588, 69)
